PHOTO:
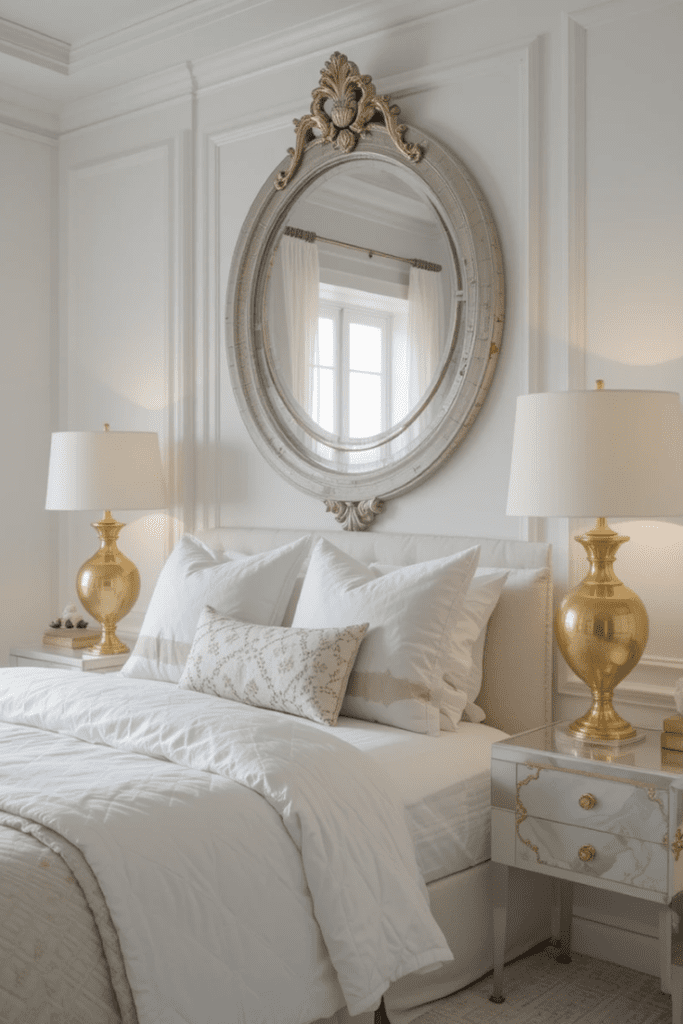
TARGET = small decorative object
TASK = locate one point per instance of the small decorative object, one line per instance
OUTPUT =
(613, 453)
(111, 469)
(74, 638)
(672, 733)
(672, 759)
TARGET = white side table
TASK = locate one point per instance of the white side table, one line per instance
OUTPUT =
(46, 656)
(603, 816)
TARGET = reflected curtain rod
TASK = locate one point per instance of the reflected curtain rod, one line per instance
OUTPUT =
(310, 236)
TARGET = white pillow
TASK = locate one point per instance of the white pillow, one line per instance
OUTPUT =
(302, 672)
(253, 589)
(463, 653)
(396, 678)
(466, 670)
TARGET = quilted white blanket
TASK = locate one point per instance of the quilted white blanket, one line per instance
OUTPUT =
(257, 869)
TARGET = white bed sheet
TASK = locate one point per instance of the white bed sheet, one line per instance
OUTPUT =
(445, 784)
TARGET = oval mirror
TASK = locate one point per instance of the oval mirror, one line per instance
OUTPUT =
(365, 303)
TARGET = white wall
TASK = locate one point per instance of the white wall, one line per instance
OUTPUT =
(567, 113)
(28, 343)
(125, 321)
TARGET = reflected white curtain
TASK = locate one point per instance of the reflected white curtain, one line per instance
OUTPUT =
(301, 277)
(424, 330)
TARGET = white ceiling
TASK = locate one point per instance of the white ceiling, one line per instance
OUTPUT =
(72, 21)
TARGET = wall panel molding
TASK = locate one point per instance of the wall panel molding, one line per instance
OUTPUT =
(209, 309)
(574, 266)
(651, 683)
(174, 156)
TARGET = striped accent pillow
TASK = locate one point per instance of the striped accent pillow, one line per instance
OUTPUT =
(256, 588)
(397, 678)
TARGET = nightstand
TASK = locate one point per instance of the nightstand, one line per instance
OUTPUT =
(581, 812)
(45, 656)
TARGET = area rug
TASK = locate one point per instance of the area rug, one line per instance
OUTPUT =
(541, 991)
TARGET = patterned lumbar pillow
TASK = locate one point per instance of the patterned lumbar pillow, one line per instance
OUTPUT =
(303, 672)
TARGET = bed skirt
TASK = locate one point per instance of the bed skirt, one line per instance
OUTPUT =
(457, 903)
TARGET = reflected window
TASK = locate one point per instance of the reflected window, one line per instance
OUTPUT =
(354, 365)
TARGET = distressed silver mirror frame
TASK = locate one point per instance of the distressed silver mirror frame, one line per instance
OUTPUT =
(364, 127)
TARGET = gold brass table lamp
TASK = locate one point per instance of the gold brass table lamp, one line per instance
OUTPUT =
(105, 470)
(617, 454)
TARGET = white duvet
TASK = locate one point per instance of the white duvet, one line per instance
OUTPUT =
(257, 869)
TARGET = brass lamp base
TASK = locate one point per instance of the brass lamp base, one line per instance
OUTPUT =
(108, 585)
(601, 629)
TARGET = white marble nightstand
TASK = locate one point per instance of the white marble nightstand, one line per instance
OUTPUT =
(603, 816)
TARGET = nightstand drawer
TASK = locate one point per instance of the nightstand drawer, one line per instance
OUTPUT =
(625, 809)
(593, 854)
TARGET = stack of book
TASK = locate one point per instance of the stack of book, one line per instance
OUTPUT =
(74, 638)
(672, 741)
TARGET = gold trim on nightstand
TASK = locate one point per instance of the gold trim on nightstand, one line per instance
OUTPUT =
(587, 852)
(651, 790)
(677, 844)
(521, 813)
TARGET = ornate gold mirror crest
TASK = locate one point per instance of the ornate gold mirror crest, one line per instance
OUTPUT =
(354, 105)
(376, 209)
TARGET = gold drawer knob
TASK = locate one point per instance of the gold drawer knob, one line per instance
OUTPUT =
(587, 853)
(587, 801)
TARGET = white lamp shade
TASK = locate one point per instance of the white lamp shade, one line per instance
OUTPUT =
(597, 453)
(104, 470)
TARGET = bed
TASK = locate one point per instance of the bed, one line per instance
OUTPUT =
(110, 784)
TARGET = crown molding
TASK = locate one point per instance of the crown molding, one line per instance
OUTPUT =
(180, 20)
(592, 17)
(141, 94)
(360, 20)
(34, 47)
(28, 115)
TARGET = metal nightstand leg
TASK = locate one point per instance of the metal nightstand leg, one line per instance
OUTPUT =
(563, 896)
(499, 900)
(677, 983)
(665, 939)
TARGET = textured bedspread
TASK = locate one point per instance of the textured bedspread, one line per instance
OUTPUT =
(256, 869)
(60, 960)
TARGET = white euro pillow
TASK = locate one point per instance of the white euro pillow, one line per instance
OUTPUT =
(396, 678)
(461, 665)
(255, 588)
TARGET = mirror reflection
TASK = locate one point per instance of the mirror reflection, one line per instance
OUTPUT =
(362, 304)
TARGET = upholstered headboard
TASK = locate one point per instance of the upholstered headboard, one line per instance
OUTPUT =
(517, 691)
